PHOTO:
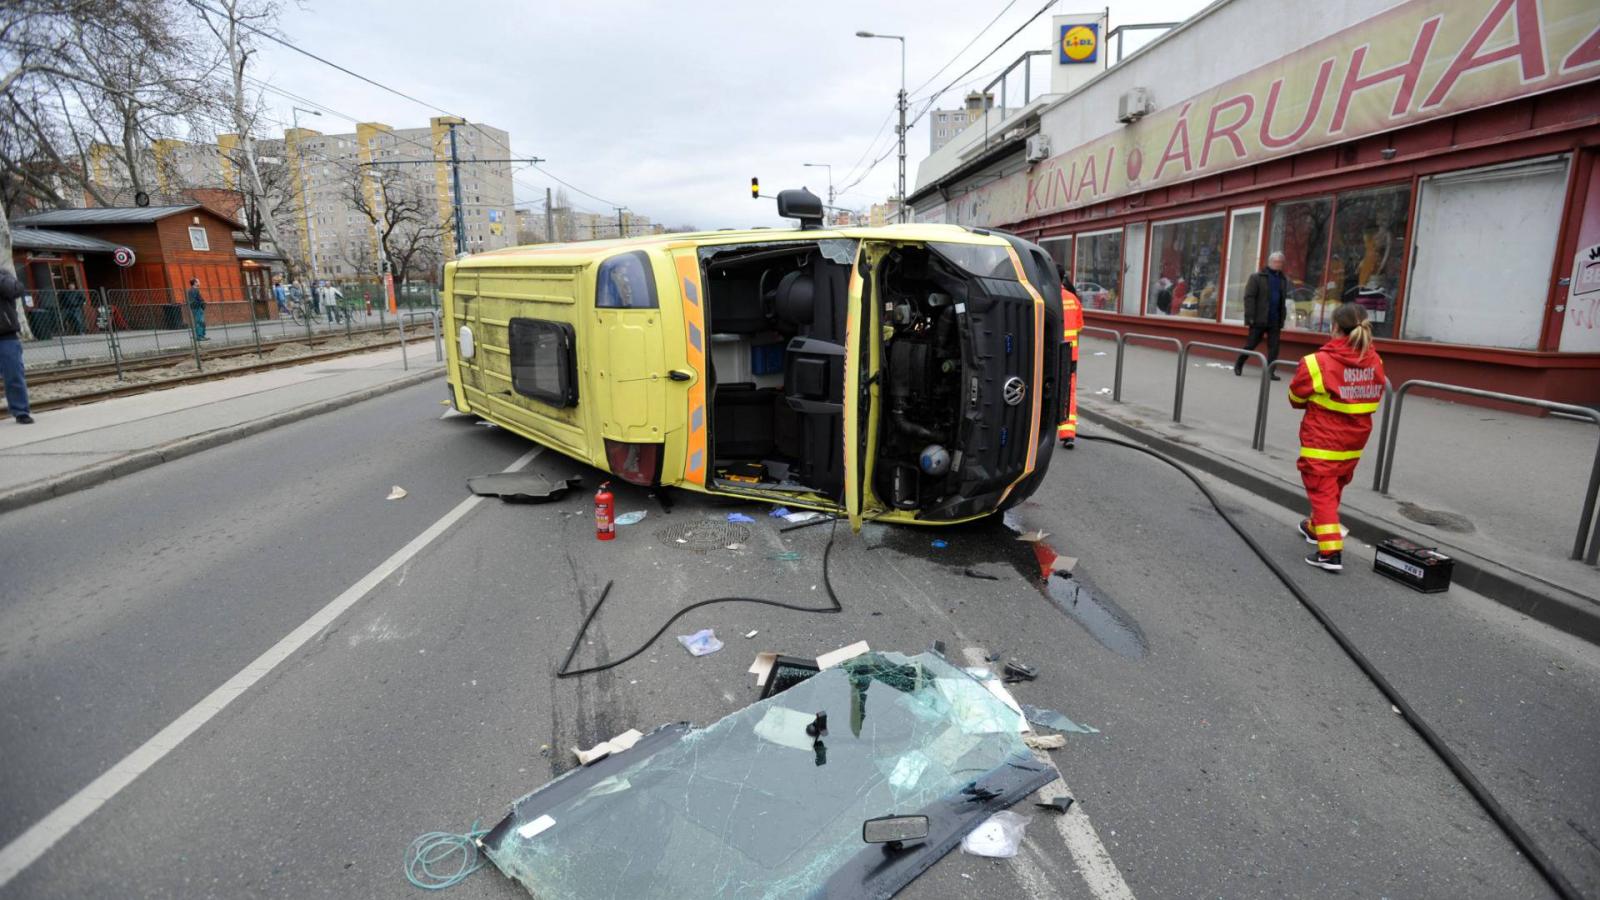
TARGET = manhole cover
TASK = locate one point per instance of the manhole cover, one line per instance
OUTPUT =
(702, 535)
(1444, 521)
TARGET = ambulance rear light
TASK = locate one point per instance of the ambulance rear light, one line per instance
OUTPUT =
(634, 463)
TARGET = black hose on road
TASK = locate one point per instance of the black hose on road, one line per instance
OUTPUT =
(1523, 842)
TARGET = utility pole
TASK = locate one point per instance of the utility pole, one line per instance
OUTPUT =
(900, 103)
(300, 170)
(622, 226)
(829, 167)
(549, 219)
(455, 179)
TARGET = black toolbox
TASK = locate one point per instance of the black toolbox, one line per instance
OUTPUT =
(1420, 568)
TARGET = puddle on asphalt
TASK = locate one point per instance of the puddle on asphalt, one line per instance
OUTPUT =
(987, 545)
(1105, 621)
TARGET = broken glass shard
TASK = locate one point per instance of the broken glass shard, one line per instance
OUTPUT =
(753, 806)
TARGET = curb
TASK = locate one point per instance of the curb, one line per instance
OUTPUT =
(1527, 594)
(139, 460)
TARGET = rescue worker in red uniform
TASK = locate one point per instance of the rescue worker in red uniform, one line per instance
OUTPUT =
(1072, 323)
(1339, 387)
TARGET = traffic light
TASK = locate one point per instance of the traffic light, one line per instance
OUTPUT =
(755, 188)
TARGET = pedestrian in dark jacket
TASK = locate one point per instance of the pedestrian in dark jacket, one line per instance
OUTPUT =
(11, 349)
(197, 307)
(1266, 308)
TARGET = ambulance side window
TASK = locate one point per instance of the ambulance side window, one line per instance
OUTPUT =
(542, 361)
(626, 282)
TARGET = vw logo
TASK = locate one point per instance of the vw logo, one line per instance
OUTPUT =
(1014, 390)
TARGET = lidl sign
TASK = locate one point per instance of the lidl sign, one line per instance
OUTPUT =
(1079, 43)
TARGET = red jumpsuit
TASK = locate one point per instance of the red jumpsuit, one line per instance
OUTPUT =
(1072, 323)
(1340, 390)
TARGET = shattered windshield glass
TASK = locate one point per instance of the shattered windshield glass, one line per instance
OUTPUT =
(770, 801)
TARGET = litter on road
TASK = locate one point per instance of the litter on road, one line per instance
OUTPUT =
(752, 633)
(801, 518)
(1044, 741)
(940, 543)
(1049, 718)
(998, 837)
(396, 493)
(701, 643)
(1060, 804)
(740, 518)
(633, 517)
(605, 748)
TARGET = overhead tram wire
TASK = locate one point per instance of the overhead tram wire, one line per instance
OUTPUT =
(934, 97)
(201, 4)
(981, 32)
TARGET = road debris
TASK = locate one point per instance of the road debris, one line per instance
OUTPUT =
(521, 487)
(1060, 804)
(904, 732)
(981, 576)
(739, 518)
(786, 556)
(998, 837)
(395, 493)
(778, 512)
(1044, 741)
(605, 748)
(800, 518)
(702, 643)
(940, 543)
(829, 660)
(1033, 537)
(633, 517)
(1015, 672)
(751, 633)
(1049, 718)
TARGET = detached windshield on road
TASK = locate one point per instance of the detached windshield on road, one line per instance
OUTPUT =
(754, 806)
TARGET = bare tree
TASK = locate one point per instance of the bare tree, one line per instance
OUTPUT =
(404, 214)
(236, 25)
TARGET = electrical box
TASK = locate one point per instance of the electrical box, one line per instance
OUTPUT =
(1417, 567)
(1135, 105)
(1038, 148)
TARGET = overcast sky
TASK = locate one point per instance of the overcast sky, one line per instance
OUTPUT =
(666, 108)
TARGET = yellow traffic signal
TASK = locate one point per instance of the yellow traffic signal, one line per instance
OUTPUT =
(755, 188)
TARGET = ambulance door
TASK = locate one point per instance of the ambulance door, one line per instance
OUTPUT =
(629, 366)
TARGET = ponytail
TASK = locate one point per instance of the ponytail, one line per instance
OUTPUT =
(1350, 320)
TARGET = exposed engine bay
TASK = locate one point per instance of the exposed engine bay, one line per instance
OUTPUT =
(921, 383)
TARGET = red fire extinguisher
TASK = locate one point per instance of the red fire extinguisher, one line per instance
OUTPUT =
(605, 513)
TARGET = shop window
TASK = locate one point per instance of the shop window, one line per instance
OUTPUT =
(1060, 250)
(1185, 268)
(1485, 240)
(542, 361)
(1244, 254)
(1098, 271)
(1345, 248)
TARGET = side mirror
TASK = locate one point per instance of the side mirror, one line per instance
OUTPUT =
(803, 205)
(894, 831)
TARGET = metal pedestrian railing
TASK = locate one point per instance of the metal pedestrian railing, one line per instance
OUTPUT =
(1388, 418)
(1258, 438)
(1386, 460)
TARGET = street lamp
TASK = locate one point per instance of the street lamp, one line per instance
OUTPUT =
(901, 130)
(300, 170)
(829, 167)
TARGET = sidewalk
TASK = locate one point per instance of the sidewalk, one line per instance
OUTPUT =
(76, 447)
(1501, 492)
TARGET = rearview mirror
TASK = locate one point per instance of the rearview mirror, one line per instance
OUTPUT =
(803, 205)
(894, 831)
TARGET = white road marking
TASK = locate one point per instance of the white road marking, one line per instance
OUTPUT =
(27, 847)
(1095, 865)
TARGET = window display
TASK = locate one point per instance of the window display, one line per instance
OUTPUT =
(1185, 265)
(1098, 276)
(1244, 257)
(1300, 233)
(1350, 247)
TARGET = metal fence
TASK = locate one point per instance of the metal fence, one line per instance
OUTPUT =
(113, 326)
(1388, 418)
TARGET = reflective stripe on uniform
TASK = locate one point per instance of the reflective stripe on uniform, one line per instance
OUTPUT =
(1319, 453)
(1354, 409)
(1296, 398)
(1330, 546)
(1326, 529)
(1316, 374)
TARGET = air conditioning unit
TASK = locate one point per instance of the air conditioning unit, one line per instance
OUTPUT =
(1038, 148)
(1134, 105)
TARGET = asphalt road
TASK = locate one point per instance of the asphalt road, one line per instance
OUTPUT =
(1240, 753)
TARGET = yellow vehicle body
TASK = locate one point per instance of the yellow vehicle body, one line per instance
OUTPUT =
(558, 345)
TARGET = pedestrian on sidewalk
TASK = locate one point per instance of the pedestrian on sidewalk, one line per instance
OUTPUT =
(333, 301)
(197, 307)
(11, 319)
(1266, 307)
(1339, 387)
(281, 294)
